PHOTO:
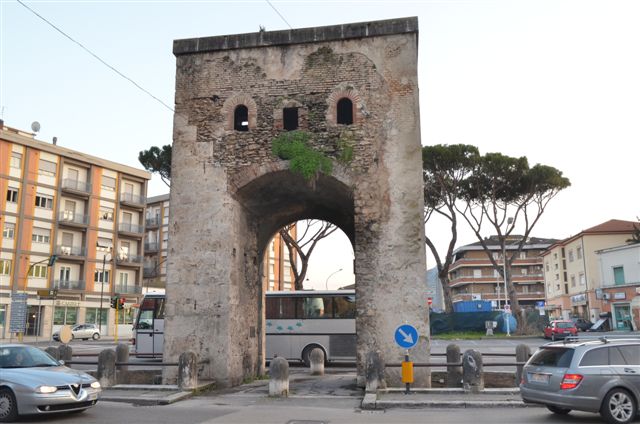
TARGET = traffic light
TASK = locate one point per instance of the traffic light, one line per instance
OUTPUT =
(114, 302)
(121, 302)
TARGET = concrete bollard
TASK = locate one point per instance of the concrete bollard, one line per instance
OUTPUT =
(188, 371)
(316, 359)
(65, 352)
(107, 368)
(523, 352)
(454, 373)
(279, 378)
(122, 355)
(374, 372)
(472, 372)
(53, 352)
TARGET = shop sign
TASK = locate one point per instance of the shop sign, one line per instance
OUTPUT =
(579, 299)
(68, 303)
(620, 295)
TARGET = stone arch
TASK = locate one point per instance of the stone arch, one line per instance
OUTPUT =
(278, 122)
(348, 92)
(229, 107)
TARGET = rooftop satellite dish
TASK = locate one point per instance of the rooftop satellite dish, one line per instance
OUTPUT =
(35, 126)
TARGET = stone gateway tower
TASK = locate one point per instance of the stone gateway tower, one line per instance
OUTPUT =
(353, 89)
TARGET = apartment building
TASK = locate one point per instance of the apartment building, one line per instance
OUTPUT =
(277, 271)
(156, 240)
(472, 276)
(572, 272)
(86, 213)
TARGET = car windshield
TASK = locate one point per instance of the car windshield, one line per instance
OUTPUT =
(552, 357)
(564, 325)
(25, 357)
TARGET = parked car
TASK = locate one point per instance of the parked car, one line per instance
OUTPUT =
(81, 331)
(32, 382)
(560, 329)
(597, 375)
(582, 324)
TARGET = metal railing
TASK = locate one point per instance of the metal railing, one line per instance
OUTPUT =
(71, 217)
(128, 259)
(70, 251)
(151, 246)
(132, 198)
(69, 284)
(153, 222)
(128, 289)
(149, 272)
(76, 185)
(130, 228)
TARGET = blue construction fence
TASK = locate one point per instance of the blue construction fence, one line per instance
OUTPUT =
(470, 321)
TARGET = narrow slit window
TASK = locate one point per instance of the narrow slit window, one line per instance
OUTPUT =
(345, 111)
(290, 118)
(241, 118)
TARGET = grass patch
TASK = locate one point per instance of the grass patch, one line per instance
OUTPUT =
(467, 335)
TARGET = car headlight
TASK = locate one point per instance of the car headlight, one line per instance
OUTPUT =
(95, 385)
(46, 389)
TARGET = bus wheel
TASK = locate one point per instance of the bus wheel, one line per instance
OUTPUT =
(307, 352)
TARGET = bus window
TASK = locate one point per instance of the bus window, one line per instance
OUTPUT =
(345, 307)
(146, 315)
(159, 311)
(316, 307)
(280, 308)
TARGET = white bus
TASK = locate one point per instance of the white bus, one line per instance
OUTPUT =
(296, 322)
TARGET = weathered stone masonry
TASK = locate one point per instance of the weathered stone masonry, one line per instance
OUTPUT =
(230, 194)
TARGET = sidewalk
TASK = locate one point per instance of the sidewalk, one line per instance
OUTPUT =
(443, 398)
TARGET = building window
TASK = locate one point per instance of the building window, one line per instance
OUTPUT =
(618, 275)
(241, 118)
(44, 202)
(5, 267)
(583, 280)
(106, 214)
(573, 281)
(8, 231)
(557, 287)
(579, 252)
(65, 315)
(104, 244)
(91, 316)
(16, 160)
(290, 118)
(108, 183)
(547, 265)
(47, 168)
(38, 271)
(41, 235)
(101, 277)
(345, 111)
(12, 195)
(571, 255)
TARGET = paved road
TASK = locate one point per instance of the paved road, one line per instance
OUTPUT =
(309, 411)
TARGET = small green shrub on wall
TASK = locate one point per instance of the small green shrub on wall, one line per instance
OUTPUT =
(293, 146)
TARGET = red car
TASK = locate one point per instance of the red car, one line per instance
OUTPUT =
(560, 329)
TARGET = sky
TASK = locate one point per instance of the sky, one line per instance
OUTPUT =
(556, 81)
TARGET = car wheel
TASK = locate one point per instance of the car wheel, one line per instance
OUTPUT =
(8, 406)
(618, 407)
(96, 336)
(558, 410)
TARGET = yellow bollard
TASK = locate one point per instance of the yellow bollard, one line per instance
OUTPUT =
(407, 374)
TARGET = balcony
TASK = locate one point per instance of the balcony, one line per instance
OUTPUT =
(79, 188)
(129, 260)
(71, 252)
(73, 219)
(129, 228)
(133, 200)
(150, 272)
(153, 222)
(151, 247)
(69, 285)
(128, 289)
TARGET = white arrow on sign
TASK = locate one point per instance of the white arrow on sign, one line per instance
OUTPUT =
(406, 337)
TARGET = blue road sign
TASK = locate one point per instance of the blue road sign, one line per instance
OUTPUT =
(406, 336)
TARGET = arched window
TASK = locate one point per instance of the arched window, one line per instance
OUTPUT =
(345, 111)
(241, 118)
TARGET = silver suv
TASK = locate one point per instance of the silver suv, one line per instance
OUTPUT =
(594, 375)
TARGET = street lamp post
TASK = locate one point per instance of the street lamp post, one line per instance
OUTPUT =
(104, 262)
(326, 283)
(507, 307)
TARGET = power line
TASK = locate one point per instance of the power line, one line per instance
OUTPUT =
(97, 57)
(279, 14)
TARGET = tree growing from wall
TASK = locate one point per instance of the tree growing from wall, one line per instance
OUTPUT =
(444, 170)
(503, 192)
